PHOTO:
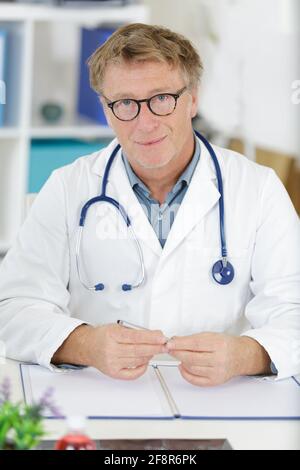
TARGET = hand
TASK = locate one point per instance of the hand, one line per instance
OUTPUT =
(213, 358)
(121, 352)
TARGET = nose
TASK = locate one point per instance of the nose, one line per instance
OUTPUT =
(146, 120)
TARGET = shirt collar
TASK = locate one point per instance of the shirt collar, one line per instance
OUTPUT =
(185, 177)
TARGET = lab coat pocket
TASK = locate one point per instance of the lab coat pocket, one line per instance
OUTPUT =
(238, 255)
(207, 305)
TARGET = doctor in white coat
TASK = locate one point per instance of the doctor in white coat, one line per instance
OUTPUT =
(250, 325)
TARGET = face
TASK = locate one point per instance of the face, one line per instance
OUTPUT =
(151, 141)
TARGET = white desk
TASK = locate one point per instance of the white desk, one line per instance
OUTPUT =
(241, 434)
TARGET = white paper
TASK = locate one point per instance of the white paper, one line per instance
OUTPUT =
(90, 393)
(241, 397)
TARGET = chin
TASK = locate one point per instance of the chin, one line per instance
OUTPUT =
(148, 164)
(153, 160)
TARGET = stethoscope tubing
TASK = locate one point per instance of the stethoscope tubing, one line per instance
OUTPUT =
(222, 270)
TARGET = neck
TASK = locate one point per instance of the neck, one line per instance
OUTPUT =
(160, 181)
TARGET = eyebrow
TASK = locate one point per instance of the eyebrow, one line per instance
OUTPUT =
(152, 92)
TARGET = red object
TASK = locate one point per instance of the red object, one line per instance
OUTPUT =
(75, 439)
(75, 442)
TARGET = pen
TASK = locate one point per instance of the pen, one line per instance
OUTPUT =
(130, 325)
(166, 390)
(135, 327)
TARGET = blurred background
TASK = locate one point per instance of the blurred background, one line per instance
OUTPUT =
(249, 96)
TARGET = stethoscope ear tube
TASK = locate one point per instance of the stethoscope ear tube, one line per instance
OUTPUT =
(100, 286)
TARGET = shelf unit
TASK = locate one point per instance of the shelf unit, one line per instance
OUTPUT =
(42, 65)
(71, 128)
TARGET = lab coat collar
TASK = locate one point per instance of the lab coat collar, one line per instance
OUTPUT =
(201, 196)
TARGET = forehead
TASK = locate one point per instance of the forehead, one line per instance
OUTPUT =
(142, 78)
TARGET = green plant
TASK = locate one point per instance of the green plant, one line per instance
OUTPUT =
(21, 425)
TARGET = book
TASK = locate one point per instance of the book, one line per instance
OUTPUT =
(3, 41)
(88, 104)
(161, 393)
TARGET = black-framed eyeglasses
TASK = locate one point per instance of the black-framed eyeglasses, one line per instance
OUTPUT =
(162, 104)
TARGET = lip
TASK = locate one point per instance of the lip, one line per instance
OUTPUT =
(151, 142)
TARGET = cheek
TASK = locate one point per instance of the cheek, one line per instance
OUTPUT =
(194, 109)
(182, 124)
(122, 130)
(185, 114)
(125, 135)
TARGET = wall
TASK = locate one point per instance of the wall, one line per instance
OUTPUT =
(250, 50)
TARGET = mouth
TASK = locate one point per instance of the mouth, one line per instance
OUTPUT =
(151, 143)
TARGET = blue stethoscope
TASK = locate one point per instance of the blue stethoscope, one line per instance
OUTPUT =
(222, 270)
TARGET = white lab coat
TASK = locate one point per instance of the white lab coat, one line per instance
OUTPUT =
(42, 301)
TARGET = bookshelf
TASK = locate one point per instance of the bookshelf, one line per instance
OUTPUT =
(42, 65)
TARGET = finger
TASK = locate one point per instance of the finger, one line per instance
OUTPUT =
(198, 371)
(194, 379)
(139, 350)
(129, 335)
(199, 342)
(131, 374)
(193, 358)
(133, 361)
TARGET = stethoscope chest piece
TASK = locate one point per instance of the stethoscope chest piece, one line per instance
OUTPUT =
(223, 272)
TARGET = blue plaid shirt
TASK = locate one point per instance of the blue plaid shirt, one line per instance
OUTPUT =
(161, 216)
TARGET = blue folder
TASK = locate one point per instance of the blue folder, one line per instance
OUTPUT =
(88, 104)
(3, 43)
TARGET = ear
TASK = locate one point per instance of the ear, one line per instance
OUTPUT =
(194, 107)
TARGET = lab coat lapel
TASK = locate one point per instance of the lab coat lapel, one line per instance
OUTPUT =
(119, 188)
(202, 194)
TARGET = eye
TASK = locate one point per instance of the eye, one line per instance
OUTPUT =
(125, 102)
(162, 97)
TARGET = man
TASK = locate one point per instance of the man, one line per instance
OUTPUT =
(165, 179)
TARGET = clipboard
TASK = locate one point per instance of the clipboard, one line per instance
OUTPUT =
(161, 393)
